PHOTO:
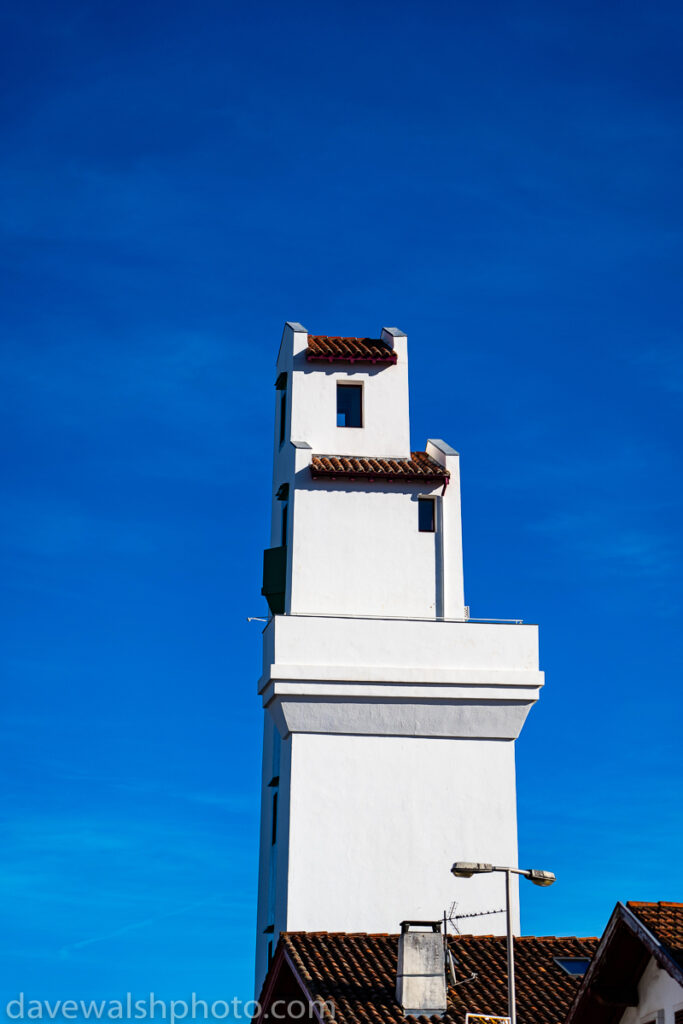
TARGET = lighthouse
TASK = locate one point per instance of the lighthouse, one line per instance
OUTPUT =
(390, 715)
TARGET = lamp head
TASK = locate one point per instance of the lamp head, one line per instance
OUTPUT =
(542, 878)
(467, 868)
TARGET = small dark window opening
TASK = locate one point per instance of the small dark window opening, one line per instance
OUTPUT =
(273, 837)
(426, 515)
(349, 405)
(283, 415)
(285, 507)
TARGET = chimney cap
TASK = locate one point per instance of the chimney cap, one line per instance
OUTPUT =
(434, 925)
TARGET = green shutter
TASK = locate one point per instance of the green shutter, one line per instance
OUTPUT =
(275, 578)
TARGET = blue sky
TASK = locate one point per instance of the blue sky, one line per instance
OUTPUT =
(500, 180)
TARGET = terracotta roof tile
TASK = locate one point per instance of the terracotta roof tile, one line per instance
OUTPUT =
(419, 466)
(665, 921)
(358, 974)
(328, 349)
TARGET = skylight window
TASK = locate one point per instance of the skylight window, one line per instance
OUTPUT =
(574, 965)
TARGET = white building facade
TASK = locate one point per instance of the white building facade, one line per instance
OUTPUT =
(390, 716)
(659, 995)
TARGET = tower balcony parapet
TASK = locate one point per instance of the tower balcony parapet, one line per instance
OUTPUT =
(391, 676)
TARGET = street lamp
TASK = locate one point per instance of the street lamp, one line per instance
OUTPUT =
(465, 869)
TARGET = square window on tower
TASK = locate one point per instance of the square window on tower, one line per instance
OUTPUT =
(349, 405)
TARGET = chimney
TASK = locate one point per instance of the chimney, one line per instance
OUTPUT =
(421, 976)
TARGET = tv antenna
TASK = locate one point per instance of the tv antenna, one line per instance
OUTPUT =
(451, 917)
(451, 974)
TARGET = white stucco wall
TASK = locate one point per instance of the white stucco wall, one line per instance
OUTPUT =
(375, 824)
(657, 990)
(380, 820)
(357, 550)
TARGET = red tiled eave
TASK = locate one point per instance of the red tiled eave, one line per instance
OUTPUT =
(419, 467)
(325, 348)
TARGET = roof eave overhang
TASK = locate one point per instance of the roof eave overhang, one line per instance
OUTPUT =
(270, 981)
(392, 478)
(622, 915)
(657, 949)
(282, 961)
(390, 359)
(313, 1003)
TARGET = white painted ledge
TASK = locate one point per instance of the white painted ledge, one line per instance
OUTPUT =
(404, 677)
(368, 674)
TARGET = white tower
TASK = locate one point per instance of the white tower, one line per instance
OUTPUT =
(390, 716)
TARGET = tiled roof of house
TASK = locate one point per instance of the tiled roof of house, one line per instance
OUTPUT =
(635, 933)
(419, 466)
(328, 349)
(357, 973)
(665, 921)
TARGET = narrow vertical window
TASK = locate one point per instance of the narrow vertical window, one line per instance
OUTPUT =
(426, 515)
(281, 386)
(277, 748)
(285, 514)
(273, 837)
(283, 415)
(349, 405)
